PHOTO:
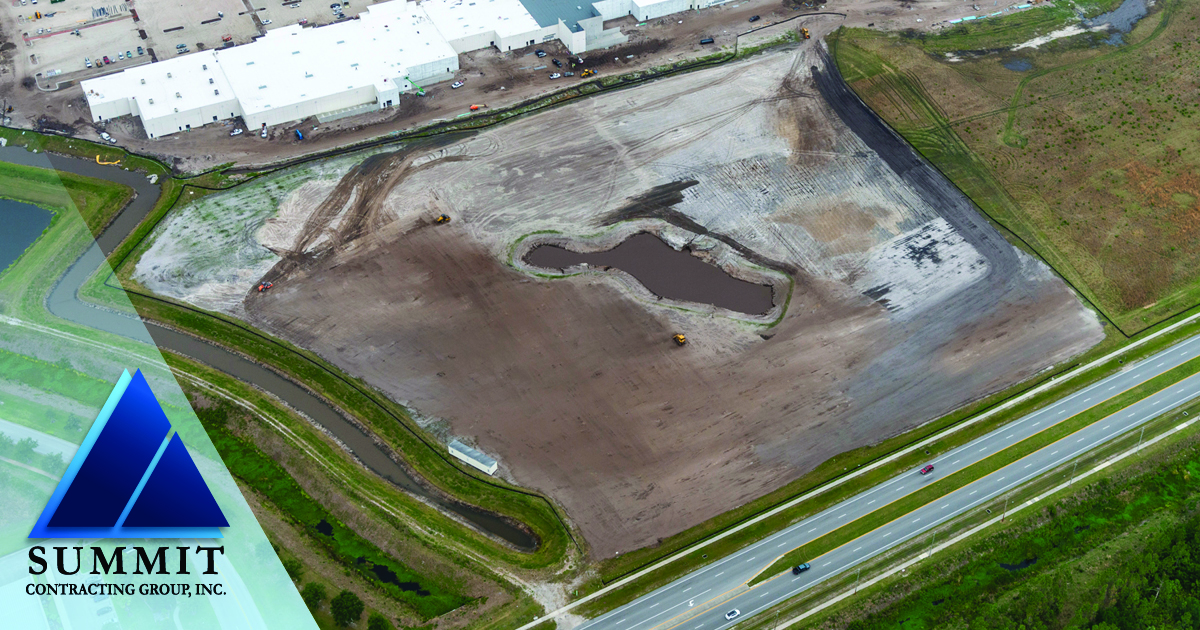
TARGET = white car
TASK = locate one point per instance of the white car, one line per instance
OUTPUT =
(456, 85)
(107, 138)
(733, 614)
(266, 22)
(264, 133)
(555, 76)
(235, 132)
(120, 55)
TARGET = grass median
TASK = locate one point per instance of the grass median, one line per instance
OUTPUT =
(942, 487)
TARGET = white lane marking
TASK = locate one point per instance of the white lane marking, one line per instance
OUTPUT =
(825, 565)
(887, 534)
(1079, 440)
(983, 449)
(781, 544)
(870, 502)
(856, 549)
(1087, 399)
(1112, 388)
(1028, 465)
(1054, 453)
(916, 519)
(955, 462)
(842, 516)
(763, 595)
(1156, 403)
(1160, 363)
(811, 530)
(945, 506)
(1062, 412)
(751, 558)
(719, 574)
(1009, 436)
(972, 494)
(1002, 479)
(654, 604)
(1037, 423)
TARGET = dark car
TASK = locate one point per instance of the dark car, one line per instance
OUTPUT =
(557, 63)
(927, 469)
(539, 52)
(335, 5)
(800, 568)
(706, 40)
(755, 18)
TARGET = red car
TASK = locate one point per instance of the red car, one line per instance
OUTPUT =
(226, 38)
(106, 60)
(264, 286)
(927, 469)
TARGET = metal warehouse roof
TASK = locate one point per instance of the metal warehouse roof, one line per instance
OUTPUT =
(549, 12)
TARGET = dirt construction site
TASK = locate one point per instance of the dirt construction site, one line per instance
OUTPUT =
(898, 301)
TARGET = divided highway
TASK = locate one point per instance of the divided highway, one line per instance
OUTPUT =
(700, 600)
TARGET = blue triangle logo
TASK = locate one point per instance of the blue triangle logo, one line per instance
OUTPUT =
(131, 477)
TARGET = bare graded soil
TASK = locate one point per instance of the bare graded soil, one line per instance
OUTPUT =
(905, 305)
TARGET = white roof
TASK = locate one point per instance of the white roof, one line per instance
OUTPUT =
(462, 18)
(169, 84)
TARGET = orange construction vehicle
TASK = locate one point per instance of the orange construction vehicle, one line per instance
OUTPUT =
(442, 218)
(679, 339)
(804, 33)
(263, 286)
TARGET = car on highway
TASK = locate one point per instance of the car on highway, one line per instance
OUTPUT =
(801, 568)
(755, 18)
(927, 469)
(733, 614)
(236, 132)
(456, 85)
(555, 76)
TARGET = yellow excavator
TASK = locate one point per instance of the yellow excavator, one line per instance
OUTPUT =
(442, 218)
(680, 340)
(804, 33)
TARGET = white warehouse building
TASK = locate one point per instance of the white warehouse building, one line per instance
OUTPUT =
(354, 66)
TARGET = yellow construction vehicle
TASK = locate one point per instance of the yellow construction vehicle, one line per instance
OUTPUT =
(586, 73)
(804, 33)
(442, 218)
(680, 340)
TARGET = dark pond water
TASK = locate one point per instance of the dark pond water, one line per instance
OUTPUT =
(325, 528)
(677, 275)
(1122, 19)
(23, 224)
(1018, 567)
(1019, 65)
(389, 576)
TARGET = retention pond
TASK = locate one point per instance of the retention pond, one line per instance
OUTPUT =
(23, 223)
(676, 275)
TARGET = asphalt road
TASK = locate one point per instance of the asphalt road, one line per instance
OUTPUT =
(700, 600)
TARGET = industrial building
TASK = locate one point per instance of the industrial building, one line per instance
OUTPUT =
(351, 67)
(473, 457)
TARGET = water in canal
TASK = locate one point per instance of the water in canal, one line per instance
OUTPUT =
(23, 224)
(668, 273)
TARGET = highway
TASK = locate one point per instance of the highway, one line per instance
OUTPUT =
(701, 599)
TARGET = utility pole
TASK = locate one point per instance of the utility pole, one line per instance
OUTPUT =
(1139, 446)
(1073, 473)
(1004, 514)
(856, 576)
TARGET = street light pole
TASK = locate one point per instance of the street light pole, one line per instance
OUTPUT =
(1073, 473)
(856, 577)
(1139, 446)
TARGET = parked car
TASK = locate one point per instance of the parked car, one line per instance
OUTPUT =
(141, 51)
(568, 74)
(555, 76)
(264, 132)
(733, 614)
(706, 40)
(120, 56)
(87, 62)
(335, 5)
(456, 85)
(107, 138)
(128, 54)
(180, 46)
(236, 132)
(183, 51)
(303, 21)
(800, 568)
(754, 18)
(226, 38)
(266, 22)
(41, 30)
(927, 469)
(557, 63)
(540, 53)
(106, 59)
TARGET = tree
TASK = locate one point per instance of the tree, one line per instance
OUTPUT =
(293, 568)
(378, 622)
(346, 608)
(313, 594)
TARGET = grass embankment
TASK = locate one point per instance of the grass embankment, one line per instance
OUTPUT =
(1001, 31)
(1088, 160)
(942, 487)
(251, 466)
(280, 439)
